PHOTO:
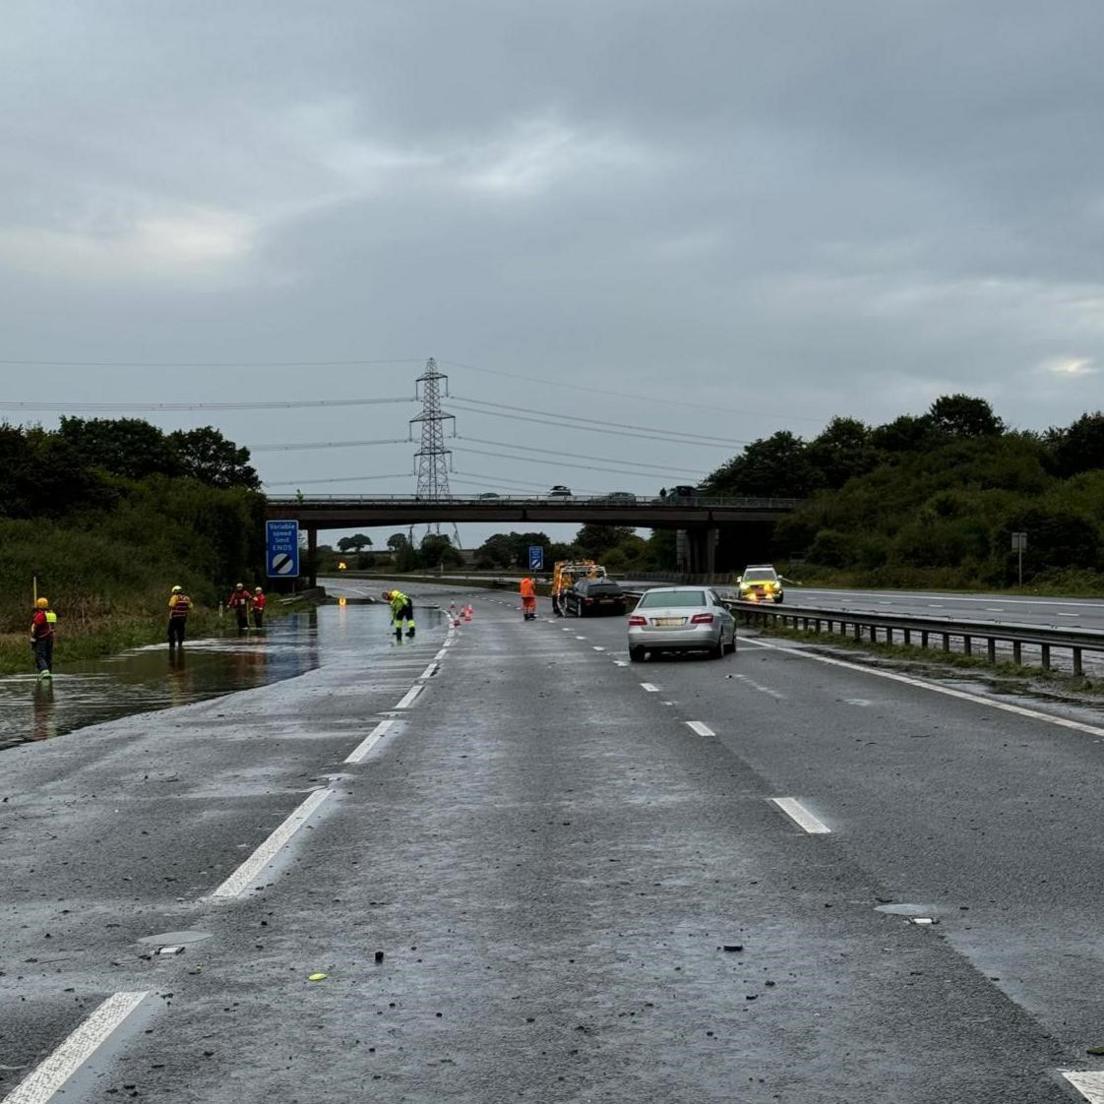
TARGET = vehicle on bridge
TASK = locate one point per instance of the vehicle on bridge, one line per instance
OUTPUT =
(760, 583)
(681, 619)
(560, 491)
(591, 596)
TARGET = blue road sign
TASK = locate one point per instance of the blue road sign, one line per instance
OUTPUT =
(282, 549)
(536, 557)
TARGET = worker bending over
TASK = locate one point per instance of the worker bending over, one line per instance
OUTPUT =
(402, 612)
(42, 637)
(528, 590)
(180, 605)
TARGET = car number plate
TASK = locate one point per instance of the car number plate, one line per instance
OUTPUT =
(667, 622)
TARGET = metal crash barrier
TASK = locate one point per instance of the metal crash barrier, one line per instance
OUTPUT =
(922, 629)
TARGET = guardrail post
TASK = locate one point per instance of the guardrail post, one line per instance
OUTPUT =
(923, 638)
(858, 631)
(1045, 659)
(816, 626)
(992, 650)
(1077, 669)
(889, 635)
(908, 637)
(967, 645)
(873, 634)
(1017, 653)
(946, 642)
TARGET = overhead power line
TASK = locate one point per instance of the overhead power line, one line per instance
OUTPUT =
(555, 463)
(334, 479)
(602, 423)
(306, 446)
(153, 408)
(574, 455)
(210, 363)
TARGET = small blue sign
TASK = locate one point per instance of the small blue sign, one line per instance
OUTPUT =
(282, 549)
(536, 557)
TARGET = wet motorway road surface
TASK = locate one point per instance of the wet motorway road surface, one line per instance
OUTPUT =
(530, 870)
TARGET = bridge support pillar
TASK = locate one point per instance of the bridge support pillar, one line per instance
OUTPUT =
(696, 550)
(312, 556)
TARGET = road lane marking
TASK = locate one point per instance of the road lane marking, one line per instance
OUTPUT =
(598, 648)
(650, 687)
(700, 729)
(962, 695)
(247, 874)
(50, 1075)
(620, 663)
(440, 655)
(801, 816)
(762, 689)
(407, 700)
(1089, 1083)
(369, 741)
(1067, 615)
(994, 609)
(430, 671)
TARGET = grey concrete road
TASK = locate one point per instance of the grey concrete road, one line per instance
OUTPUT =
(544, 880)
(1081, 613)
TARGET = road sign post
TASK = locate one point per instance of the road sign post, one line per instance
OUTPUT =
(282, 549)
(536, 557)
(1019, 543)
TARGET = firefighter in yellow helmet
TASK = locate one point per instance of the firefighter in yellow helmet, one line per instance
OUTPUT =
(42, 637)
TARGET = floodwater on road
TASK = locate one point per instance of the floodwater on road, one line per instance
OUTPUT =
(152, 678)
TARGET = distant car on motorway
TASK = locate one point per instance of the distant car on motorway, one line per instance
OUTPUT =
(621, 498)
(681, 619)
(760, 583)
(597, 595)
(488, 496)
(560, 491)
(683, 493)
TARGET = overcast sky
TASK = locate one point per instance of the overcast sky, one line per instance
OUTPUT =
(777, 211)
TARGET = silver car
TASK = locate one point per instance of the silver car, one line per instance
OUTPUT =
(685, 618)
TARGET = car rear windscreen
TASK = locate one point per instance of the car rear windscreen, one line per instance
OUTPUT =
(672, 598)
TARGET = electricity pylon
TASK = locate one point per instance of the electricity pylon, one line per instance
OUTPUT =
(432, 459)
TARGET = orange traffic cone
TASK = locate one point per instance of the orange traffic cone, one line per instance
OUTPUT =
(468, 611)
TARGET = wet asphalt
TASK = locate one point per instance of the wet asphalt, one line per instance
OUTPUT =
(551, 864)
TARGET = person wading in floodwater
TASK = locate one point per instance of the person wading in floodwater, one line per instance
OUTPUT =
(42, 637)
(259, 603)
(180, 606)
(239, 602)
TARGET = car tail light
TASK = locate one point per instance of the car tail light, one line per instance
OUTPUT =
(702, 619)
(636, 620)
(587, 601)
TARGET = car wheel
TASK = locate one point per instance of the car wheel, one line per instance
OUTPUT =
(730, 647)
(636, 655)
(778, 600)
(718, 649)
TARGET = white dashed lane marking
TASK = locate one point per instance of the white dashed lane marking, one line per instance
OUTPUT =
(650, 687)
(248, 873)
(1089, 1083)
(43, 1083)
(700, 729)
(801, 816)
(407, 700)
(369, 741)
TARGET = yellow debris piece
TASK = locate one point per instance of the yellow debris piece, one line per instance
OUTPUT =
(318, 977)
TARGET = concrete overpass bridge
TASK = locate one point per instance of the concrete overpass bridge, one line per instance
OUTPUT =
(698, 517)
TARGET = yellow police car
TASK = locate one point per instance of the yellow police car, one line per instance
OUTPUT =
(759, 583)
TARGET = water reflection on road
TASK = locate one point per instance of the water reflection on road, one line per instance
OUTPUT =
(87, 693)
(152, 678)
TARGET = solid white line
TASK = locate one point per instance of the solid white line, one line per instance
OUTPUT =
(962, 695)
(247, 874)
(1089, 1083)
(701, 729)
(407, 700)
(650, 687)
(801, 816)
(50, 1075)
(369, 742)
(430, 671)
